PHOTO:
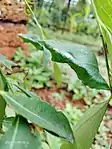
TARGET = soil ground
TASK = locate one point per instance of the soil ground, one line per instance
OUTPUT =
(46, 94)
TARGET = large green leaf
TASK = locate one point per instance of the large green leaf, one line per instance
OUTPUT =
(40, 113)
(78, 57)
(87, 127)
(19, 137)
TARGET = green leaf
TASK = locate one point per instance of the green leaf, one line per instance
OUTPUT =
(3, 82)
(7, 123)
(4, 87)
(19, 137)
(45, 145)
(78, 57)
(4, 61)
(2, 110)
(68, 146)
(33, 39)
(103, 11)
(40, 113)
(57, 74)
(87, 127)
(54, 142)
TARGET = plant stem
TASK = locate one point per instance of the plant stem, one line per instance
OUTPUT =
(107, 63)
(35, 19)
(104, 44)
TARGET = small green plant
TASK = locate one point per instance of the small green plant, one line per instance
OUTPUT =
(72, 113)
(32, 73)
(82, 92)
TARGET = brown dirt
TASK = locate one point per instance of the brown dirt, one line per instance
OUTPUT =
(12, 22)
(46, 94)
(8, 34)
(9, 39)
(10, 51)
(12, 10)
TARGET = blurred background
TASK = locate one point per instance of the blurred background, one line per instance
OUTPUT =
(71, 20)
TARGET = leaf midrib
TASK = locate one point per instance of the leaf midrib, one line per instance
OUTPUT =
(14, 135)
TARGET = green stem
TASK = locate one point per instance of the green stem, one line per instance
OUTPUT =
(107, 63)
(100, 23)
(35, 19)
